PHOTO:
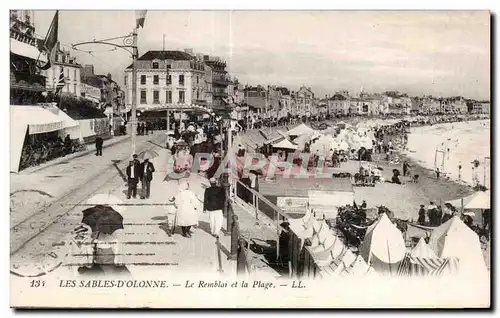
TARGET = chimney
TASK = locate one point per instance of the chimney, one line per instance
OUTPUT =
(109, 76)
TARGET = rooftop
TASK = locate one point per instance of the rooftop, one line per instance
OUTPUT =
(165, 55)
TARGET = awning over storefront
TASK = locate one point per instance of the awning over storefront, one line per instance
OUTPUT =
(36, 120)
(26, 50)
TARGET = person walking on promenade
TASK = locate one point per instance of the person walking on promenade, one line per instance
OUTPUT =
(186, 204)
(213, 204)
(421, 215)
(437, 173)
(147, 170)
(133, 174)
(98, 146)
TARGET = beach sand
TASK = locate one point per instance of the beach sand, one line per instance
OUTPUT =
(404, 200)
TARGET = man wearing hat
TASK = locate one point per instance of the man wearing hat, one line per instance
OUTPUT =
(133, 174)
(147, 170)
(213, 204)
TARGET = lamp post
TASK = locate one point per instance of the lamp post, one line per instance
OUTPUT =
(129, 45)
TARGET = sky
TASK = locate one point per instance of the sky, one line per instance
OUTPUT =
(442, 53)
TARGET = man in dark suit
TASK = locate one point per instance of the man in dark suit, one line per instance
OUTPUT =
(147, 170)
(98, 146)
(133, 174)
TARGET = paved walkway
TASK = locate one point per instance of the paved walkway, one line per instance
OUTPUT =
(31, 192)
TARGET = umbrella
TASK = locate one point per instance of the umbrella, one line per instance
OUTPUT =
(102, 219)
(107, 199)
(148, 154)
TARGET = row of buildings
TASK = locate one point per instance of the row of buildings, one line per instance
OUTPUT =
(183, 80)
(72, 78)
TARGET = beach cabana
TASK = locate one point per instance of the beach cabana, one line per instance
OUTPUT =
(300, 130)
(285, 144)
(383, 246)
(479, 200)
(420, 261)
(473, 204)
(454, 239)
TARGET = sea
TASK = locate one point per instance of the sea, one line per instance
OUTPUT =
(448, 146)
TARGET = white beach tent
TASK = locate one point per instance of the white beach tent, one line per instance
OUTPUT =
(478, 200)
(302, 139)
(286, 144)
(454, 239)
(383, 246)
(300, 130)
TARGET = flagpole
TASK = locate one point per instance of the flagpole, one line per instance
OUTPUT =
(133, 112)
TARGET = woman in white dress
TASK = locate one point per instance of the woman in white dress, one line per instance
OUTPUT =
(187, 206)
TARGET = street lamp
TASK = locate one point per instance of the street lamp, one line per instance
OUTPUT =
(130, 45)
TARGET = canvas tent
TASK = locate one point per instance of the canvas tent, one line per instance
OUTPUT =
(478, 200)
(300, 130)
(455, 239)
(383, 246)
(422, 261)
(285, 144)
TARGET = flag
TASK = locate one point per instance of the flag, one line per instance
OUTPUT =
(49, 45)
(140, 17)
(61, 82)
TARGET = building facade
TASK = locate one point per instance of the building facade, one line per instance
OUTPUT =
(66, 65)
(304, 101)
(168, 79)
(216, 81)
(26, 83)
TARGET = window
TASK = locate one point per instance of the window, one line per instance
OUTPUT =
(169, 79)
(125, 81)
(181, 97)
(181, 80)
(143, 97)
(156, 97)
(169, 66)
(197, 80)
(156, 79)
(197, 94)
(74, 77)
(143, 79)
(169, 97)
(155, 65)
(74, 88)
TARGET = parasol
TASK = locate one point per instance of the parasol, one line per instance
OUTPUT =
(107, 199)
(102, 219)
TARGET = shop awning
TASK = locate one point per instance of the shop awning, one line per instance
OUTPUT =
(38, 119)
(26, 50)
